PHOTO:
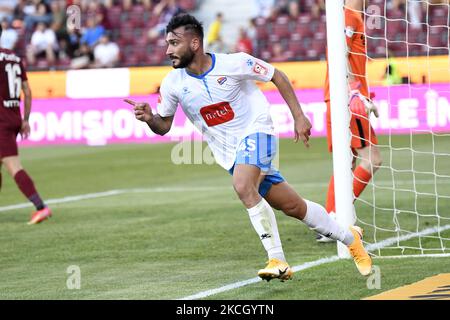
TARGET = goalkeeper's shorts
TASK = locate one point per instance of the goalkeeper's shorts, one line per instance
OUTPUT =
(363, 134)
(260, 149)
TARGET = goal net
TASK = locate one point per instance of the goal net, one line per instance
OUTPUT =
(405, 209)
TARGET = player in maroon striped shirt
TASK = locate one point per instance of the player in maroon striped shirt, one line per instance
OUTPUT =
(13, 79)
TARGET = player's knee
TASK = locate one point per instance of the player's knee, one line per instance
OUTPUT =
(13, 170)
(12, 165)
(241, 187)
(245, 191)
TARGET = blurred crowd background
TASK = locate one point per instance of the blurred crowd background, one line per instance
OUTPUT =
(116, 33)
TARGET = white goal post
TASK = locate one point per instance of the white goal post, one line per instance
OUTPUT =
(405, 208)
(340, 116)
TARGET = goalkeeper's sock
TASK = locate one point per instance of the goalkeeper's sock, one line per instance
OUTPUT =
(330, 205)
(265, 224)
(360, 180)
(318, 220)
(26, 185)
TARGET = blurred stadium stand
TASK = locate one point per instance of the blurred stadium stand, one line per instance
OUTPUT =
(302, 35)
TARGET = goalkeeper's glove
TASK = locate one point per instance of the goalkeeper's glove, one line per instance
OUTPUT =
(359, 104)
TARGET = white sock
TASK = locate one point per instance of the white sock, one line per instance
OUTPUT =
(265, 224)
(318, 220)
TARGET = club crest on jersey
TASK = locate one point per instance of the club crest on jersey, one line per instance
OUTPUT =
(186, 91)
(217, 113)
(222, 80)
(260, 69)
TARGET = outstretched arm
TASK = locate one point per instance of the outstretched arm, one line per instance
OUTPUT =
(25, 129)
(143, 112)
(302, 126)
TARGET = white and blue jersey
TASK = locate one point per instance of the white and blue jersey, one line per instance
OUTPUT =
(224, 103)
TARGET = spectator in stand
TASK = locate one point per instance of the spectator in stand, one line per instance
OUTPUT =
(20, 11)
(213, 39)
(43, 44)
(98, 10)
(7, 9)
(148, 4)
(109, 3)
(251, 33)
(92, 33)
(70, 45)
(83, 58)
(83, 4)
(415, 14)
(41, 13)
(396, 4)
(128, 4)
(165, 10)
(318, 8)
(294, 9)
(244, 43)
(286, 7)
(278, 53)
(392, 75)
(264, 8)
(9, 36)
(106, 53)
(58, 23)
(68, 38)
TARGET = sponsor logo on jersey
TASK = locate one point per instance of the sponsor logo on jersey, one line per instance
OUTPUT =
(260, 69)
(250, 62)
(217, 113)
(222, 80)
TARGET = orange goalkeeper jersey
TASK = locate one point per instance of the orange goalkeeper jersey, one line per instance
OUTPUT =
(356, 44)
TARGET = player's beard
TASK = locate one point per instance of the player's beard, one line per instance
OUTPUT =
(184, 60)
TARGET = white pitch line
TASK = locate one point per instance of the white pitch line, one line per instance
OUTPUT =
(390, 241)
(307, 265)
(172, 189)
(66, 199)
(428, 255)
(240, 284)
(111, 193)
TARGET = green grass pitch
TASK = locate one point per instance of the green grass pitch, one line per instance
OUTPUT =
(172, 231)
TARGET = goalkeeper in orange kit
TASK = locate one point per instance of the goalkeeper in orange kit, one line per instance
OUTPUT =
(364, 141)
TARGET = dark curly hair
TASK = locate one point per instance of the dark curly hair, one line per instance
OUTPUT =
(188, 22)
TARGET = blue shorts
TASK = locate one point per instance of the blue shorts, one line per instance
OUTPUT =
(259, 149)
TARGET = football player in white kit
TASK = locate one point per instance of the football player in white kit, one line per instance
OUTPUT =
(218, 94)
